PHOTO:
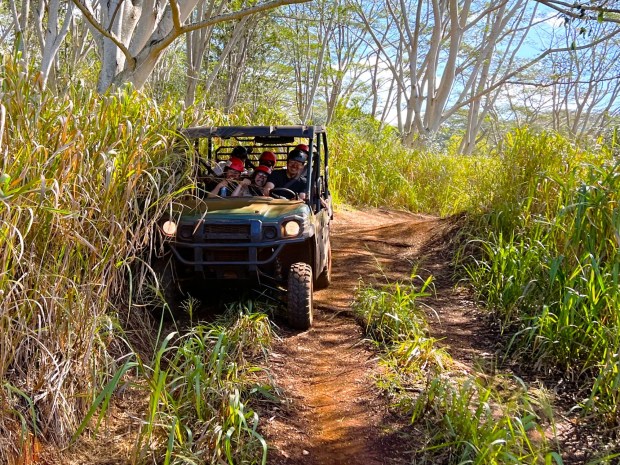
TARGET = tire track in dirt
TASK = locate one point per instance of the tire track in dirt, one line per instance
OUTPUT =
(334, 414)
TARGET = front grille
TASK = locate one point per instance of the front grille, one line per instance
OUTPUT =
(210, 233)
(226, 232)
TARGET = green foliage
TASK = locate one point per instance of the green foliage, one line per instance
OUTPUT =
(389, 314)
(83, 179)
(82, 182)
(465, 419)
(474, 422)
(372, 168)
(548, 260)
(199, 386)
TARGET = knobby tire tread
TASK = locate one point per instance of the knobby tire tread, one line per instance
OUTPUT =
(300, 296)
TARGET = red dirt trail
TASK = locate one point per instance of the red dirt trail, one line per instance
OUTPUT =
(334, 414)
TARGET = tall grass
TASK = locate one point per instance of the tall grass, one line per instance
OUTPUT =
(372, 168)
(474, 421)
(82, 180)
(199, 386)
(549, 262)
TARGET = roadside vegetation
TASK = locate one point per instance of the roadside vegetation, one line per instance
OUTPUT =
(541, 251)
(372, 168)
(545, 259)
(465, 417)
(82, 180)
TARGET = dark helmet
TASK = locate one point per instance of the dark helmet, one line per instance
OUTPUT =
(240, 152)
(297, 155)
(269, 157)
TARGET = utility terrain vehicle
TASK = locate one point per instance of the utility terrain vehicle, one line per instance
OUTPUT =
(277, 241)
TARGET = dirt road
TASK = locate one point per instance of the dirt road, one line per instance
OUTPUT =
(334, 414)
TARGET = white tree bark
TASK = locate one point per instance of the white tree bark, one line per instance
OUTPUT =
(308, 54)
(20, 26)
(442, 56)
(196, 45)
(232, 42)
(133, 34)
(342, 72)
(51, 36)
(585, 86)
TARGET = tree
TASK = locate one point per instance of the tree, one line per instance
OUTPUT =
(343, 72)
(442, 56)
(585, 85)
(592, 10)
(311, 30)
(133, 35)
(51, 38)
(20, 26)
(197, 42)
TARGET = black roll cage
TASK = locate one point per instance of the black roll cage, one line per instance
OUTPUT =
(275, 137)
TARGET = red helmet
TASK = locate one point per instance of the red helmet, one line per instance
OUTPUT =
(263, 169)
(236, 164)
(303, 148)
(268, 156)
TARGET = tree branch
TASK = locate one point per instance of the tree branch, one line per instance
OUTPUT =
(131, 60)
(567, 9)
(176, 15)
(239, 14)
(532, 62)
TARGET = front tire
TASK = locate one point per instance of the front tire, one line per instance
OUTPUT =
(300, 296)
(169, 293)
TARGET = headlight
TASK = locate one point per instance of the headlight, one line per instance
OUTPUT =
(291, 229)
(169, 228)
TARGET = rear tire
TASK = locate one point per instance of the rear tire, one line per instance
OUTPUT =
(300, 296)
(325, 278)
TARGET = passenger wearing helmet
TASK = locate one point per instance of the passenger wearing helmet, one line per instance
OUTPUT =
(253, 185)
(268, 159)
(232, 172)
(239, 152)
(290, 177)
(242, 153)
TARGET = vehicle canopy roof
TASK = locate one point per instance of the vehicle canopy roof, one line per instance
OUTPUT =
(258, 132)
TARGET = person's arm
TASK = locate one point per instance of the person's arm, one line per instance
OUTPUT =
(240, 186)
(301, 194)
(268, 187)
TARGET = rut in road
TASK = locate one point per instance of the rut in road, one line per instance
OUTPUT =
(334, 413)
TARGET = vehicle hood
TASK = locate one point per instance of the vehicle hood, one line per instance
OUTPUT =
(243, 208)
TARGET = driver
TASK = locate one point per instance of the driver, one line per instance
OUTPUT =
(291, 177)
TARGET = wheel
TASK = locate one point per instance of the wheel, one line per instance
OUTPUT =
(283, 193)
(167, 283)
(300, 296)
(325, 278)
